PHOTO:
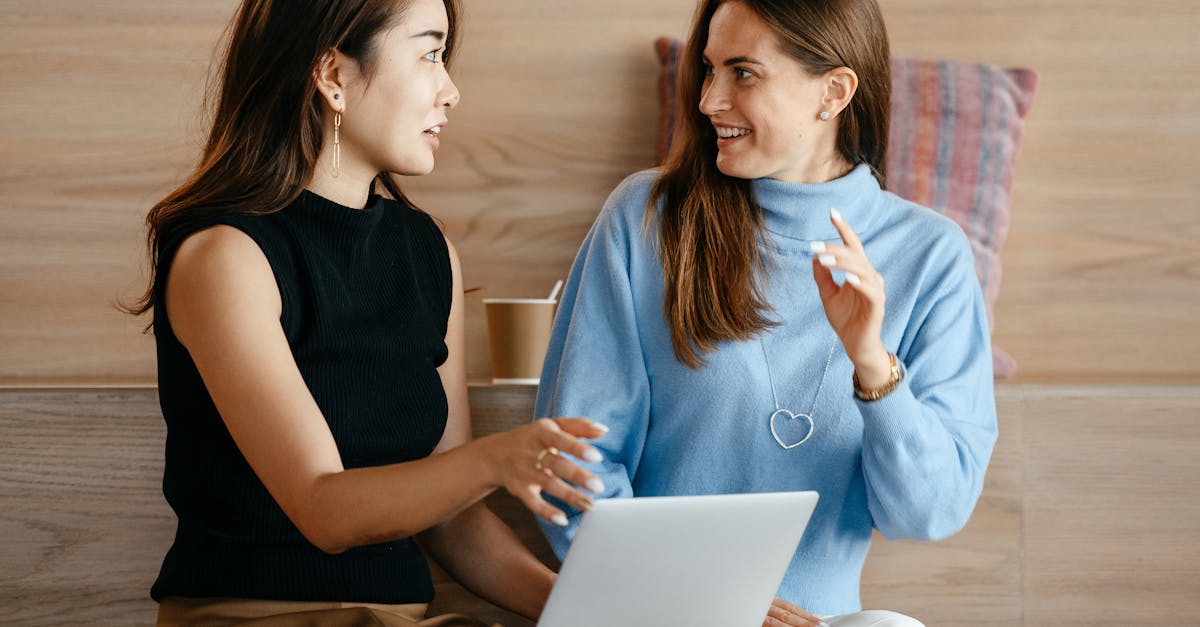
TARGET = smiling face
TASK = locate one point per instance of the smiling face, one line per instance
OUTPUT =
(764, 105)
(392, 118)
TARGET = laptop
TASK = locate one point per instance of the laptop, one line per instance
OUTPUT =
(678, 560)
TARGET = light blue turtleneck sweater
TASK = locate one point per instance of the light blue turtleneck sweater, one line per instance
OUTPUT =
(910, 465)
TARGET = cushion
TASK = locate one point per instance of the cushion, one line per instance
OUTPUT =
(955, 133)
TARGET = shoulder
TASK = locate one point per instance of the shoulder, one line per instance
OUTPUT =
(624, 212)
(216, 270)
(924, 229)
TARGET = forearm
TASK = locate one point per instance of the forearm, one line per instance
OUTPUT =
(924, 469)
(484, 555)
(364, 506)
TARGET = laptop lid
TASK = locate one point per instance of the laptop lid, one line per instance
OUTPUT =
(678, 560)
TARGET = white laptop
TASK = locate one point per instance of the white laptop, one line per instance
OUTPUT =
(678, 560)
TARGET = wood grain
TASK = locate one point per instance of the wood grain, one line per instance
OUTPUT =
(103, 116)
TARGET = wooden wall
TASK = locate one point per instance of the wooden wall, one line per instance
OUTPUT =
(102, 117)
(1091, 505)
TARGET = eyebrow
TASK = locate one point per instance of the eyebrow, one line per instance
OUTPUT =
(436, 34)
(737, 60)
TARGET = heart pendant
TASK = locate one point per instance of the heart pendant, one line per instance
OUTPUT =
(787, 414)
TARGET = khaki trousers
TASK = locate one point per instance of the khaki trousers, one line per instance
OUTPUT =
(217, 611)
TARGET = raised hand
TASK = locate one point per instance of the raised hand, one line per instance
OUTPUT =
(855, 308)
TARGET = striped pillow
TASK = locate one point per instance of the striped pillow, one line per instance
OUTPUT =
(955, 133)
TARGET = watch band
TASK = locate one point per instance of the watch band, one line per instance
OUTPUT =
(897, 375)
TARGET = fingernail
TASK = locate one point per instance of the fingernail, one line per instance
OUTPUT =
(835, 214)
(595, 485)
(601, 426)
(827, 260)
(816, 247)
(853, 279)
(586, 506)
(559, 519)
(592, 455)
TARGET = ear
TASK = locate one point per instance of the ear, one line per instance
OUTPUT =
(840, 85)
(331, 77)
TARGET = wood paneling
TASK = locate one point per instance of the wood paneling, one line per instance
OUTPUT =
(102, 115)
(1088, 514)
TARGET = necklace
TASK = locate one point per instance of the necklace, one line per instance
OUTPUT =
(787, 413)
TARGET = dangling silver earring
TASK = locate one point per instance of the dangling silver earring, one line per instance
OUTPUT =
(824, 116)
(337, 143)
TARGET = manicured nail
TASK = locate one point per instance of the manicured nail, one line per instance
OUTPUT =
(595, 485)
(601, 426)
(833, 213)
(827, 260)
(592, 455)
(816, 247)
(586, 506)
(853, 279)
(559, 519)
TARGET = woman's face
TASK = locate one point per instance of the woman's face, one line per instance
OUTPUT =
(762, 103)
(392, 119)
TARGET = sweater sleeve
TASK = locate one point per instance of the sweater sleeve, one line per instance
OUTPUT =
(926, 445)
(594, 365)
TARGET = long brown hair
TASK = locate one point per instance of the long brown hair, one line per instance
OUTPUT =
(267, 124)
(710, 225)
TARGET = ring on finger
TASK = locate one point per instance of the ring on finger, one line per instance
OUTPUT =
(541, 456)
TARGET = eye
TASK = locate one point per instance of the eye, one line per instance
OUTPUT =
(434, 56)
(743, 73)
(708, 69)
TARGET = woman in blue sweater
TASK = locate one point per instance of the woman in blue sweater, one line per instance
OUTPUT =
(728, 315)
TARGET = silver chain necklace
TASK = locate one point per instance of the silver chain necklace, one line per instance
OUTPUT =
(787, 413)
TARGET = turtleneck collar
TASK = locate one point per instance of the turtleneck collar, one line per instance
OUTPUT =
(800, 211)
(338, 215)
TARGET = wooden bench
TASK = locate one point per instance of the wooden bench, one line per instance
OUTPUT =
(1085, 482)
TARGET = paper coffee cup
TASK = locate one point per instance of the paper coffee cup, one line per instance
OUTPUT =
(518, 333)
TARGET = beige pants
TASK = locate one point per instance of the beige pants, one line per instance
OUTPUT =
(214, 612)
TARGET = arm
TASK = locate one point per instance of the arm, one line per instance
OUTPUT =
(476, 547)
(594, 364)
(224, 306)
(926, 444)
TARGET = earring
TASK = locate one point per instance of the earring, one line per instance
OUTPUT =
(824, 116)
(337, 143)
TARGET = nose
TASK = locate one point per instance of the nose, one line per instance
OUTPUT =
(713, 97)
(448, 97)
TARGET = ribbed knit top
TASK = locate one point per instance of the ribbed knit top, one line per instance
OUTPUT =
(366, 296)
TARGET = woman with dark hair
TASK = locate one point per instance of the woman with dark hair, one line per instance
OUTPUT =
(727, 315)
(310, 342)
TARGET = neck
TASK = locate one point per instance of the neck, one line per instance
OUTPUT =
(821, 169)
(352, 185)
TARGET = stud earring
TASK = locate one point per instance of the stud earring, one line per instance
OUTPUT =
(824, 116)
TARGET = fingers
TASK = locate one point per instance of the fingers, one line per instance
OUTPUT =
(843, 229)
(783, 613)
(860, 274)
(581, 427)
(552, 435)
(559, 466)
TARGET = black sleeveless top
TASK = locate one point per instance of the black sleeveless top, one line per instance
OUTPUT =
(366, 299)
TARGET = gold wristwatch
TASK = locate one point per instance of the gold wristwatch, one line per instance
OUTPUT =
(897, 375)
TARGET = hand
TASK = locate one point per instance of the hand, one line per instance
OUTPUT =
(529, 460)
(784, 613)
(855, 309)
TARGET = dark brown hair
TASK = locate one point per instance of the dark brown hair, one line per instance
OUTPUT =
(267, 124)
(710, 225)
